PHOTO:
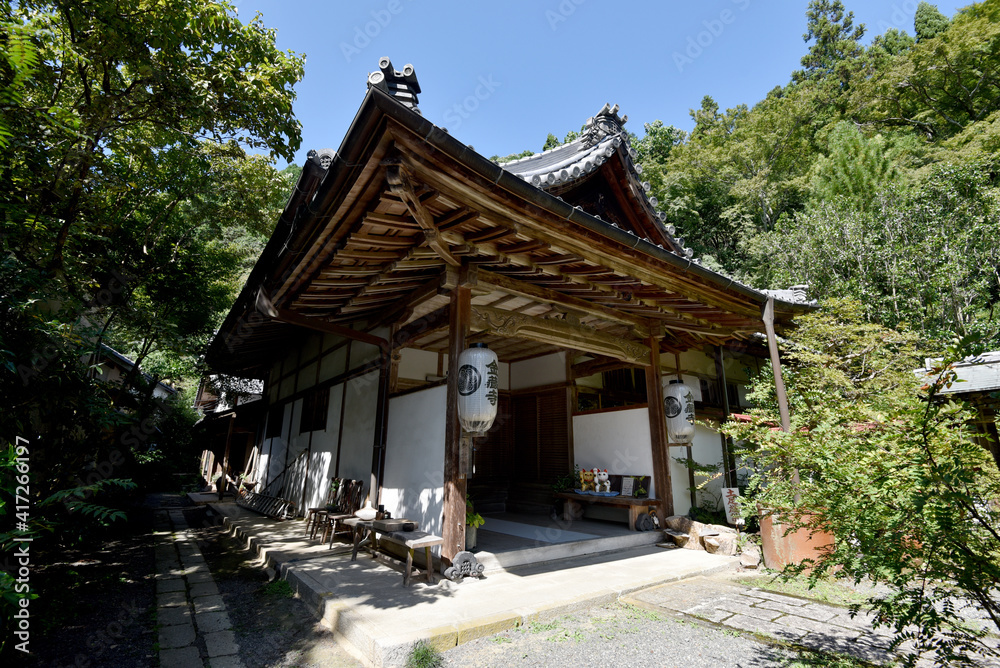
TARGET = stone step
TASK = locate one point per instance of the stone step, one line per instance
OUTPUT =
(537, 555)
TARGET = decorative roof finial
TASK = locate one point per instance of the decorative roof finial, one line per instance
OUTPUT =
(606, 122)
(401, 85)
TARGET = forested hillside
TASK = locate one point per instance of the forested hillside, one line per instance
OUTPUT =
(871, 174)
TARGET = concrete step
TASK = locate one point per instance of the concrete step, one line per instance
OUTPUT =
(537, 555)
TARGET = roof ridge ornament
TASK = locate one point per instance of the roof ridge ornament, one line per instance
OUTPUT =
(401, 85)
(607, 122)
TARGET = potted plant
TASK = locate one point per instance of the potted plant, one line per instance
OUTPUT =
(473, 521)
(565, 483)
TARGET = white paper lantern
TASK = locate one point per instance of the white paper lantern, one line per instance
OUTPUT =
(478, 388)
(678, 406)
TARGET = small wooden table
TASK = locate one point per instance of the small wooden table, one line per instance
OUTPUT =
(367, 534)
(636, 506)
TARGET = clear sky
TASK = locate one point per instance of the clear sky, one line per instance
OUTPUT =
(501, 75)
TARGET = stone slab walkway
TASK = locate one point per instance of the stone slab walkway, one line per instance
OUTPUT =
(789, 619)
(194, 627)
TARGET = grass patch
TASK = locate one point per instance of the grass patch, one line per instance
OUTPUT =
(423, 656)
(278, 589)
(825, 591)
(540, 627)
(635, 613)
(575, 636)
(807, 659)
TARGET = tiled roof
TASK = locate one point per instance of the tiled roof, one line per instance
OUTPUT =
(793, 295)
(602, 138)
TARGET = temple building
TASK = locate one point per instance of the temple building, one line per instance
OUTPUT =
(403, 247)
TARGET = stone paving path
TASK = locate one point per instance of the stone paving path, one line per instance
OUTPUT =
(194, 626)
(817, 626)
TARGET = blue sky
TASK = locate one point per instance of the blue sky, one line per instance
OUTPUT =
(502, 75)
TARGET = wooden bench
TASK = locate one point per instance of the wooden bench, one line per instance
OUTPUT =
(271, 506)
(636, 506)
(366, 533)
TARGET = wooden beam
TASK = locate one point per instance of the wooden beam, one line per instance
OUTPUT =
(293, 318)
(549, 296)
(556, 332)
(399, 183)
(658, 434)
(420, 327)
(453, 529)
(599, 365)
(598, 248)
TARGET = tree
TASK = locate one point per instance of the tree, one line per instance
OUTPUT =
(737, 173)
(551, 142)
(131, 205)
(944, 84)
(890, 467)
(928, 21)
(924, 255)
(837, 40)
(854, 169)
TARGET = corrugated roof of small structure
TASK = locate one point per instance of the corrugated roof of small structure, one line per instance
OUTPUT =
(980, 373)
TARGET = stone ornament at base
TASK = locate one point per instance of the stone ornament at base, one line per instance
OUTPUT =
(464, 565)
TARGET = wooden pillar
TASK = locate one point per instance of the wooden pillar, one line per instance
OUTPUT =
(658, 433)
(779, 381)
(225, 457)
(728, 458)
(453, 530)
(381, 427)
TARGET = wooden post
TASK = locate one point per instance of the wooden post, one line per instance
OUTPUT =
(453, 530)
(225, 457)
(658, 434)
(728, 458)
(690, 459)
(779, 381)
(381, 427)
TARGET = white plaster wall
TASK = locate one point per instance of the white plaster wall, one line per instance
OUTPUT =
(359, 428)
(362, 353)
(324, 452)
(417, 364)
(413, 483)
(275, 448)
(538, 371)
(297, 445)
(706, 448)
(307, 376)
(617, 441)
(333, 364)
(310, 347)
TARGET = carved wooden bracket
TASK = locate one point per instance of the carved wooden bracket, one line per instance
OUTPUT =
(399, 184)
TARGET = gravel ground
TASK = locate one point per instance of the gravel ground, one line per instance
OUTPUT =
(618, 635)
